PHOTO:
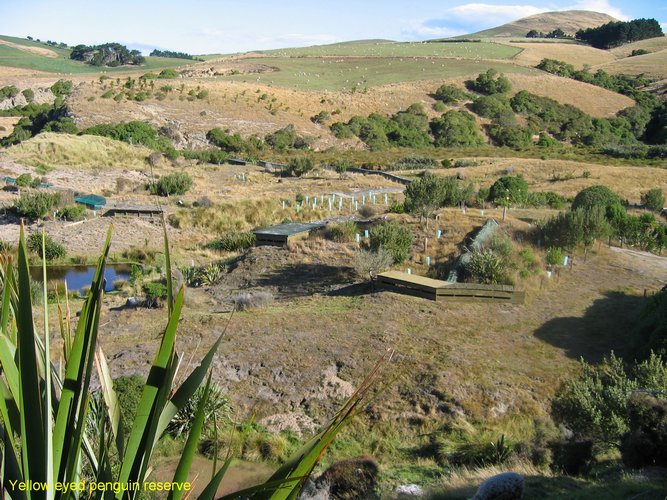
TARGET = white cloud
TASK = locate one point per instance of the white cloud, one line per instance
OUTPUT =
(482, 13)
(598, 6)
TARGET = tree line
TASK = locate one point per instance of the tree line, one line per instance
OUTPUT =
(617, 33)
(173, 54)
(108, 55)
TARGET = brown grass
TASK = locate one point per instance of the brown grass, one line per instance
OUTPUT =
(7, 123)
(578, 55)
(593, 100)
(653, 65)
(629, 182)
(40, 51)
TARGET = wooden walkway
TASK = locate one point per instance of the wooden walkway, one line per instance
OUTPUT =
(428, 288)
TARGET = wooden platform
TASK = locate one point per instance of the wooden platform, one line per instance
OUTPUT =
(432, 289)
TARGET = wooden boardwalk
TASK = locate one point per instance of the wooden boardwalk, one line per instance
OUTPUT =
(432, 289)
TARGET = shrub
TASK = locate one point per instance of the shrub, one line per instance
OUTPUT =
(450, 94)
(52, 249)
(509, 190)
(24, 180)
(369, 263)
(29, 95)
(234, 242)
(252, 300)
(595, 406)
(217, 411)
(297, 167)
(177, 183)
(492, 106)
(8, 92)
(490, 83)
(36, 205)
(393, 238)
(321, 117)
(487, 267)
(653, 199)
(555, 256)
(168, 74)
(155, 292)
(62, 88)
(595, 196)
(342, 231)
(574, 456)
(456, 129)
(72, 212)
(646, 442)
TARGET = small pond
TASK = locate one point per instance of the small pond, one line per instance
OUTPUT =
(79, 278)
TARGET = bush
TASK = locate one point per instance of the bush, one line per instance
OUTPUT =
(297, 167)
(168, 74)
(492, 106)
(450, 94)
(555, 256)
(490, 83)
(509, 190)
(29, 95)
(653, 200)
(62, 88)
(321, 117)
(36, 205)
(234, 242)
(52, 249)
(217, 411)
(595, 405)
(369, 263)
(573, 457)
(177, 183)
(393, 238)
(456, 129)
(487, 267)
(8, 92)
(72, 212)
(646, 442)
(595, 196)
(155, 292)
(342, 232)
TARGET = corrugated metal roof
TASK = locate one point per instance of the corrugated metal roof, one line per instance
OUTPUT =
(290, 228)
(91, 199)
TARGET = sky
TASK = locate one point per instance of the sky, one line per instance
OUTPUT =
(225, 26)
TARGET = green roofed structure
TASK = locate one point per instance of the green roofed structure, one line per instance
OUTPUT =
(283, 233)
(91, 201)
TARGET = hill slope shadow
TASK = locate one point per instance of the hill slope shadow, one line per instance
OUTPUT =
(606, 325)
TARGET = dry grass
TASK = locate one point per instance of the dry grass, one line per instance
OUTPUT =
(629, 182)
(7, 125)
(578, 55)
(650, 44)
(41, 51)
(593, 100)
(653, 65)
(50, 150)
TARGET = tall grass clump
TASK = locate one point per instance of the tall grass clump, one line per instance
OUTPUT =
(342, 232)
(44, 408)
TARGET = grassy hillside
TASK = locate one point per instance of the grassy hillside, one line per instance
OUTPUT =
(361, 72)
(570, 21)
(49, 150)
(20, 53)
(373, 48)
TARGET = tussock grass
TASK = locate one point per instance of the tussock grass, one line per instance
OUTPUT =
(49, 151)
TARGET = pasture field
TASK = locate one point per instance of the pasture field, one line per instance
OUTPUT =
(358, 73)
(576, 54)
(386, 49)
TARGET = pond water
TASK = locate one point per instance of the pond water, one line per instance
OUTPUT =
(80, 277)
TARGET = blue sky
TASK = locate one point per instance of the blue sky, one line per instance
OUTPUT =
(224, 26)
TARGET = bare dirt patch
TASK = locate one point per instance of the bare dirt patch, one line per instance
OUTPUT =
(40, 51)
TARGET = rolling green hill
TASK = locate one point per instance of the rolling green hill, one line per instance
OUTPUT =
(27, 54)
